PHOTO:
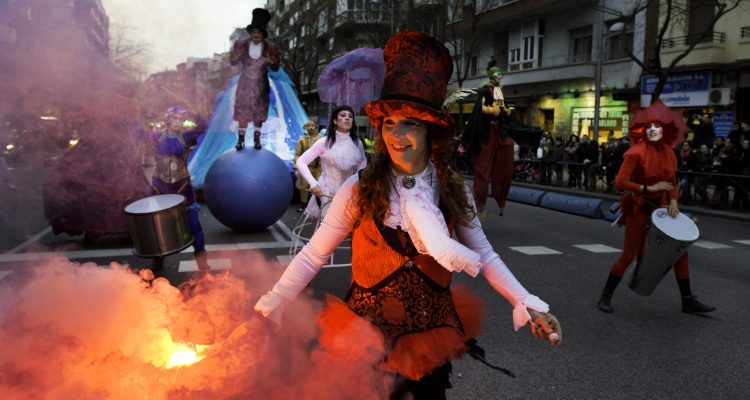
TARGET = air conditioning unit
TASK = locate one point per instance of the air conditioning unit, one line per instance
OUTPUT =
(720, 96)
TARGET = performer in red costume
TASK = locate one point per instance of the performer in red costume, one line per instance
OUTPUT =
(402, 210)
(648, 177)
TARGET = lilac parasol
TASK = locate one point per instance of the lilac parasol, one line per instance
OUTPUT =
(354, 78)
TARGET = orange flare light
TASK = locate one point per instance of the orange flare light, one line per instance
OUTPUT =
(183, 355)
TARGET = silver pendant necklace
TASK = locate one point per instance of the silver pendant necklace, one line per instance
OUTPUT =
(408, 182)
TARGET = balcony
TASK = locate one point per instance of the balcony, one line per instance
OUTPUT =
(563, 67)
(363, 16)
(710, 49)
(420, 5)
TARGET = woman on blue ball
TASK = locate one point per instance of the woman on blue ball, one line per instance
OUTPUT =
(341, 153)
(402, 210)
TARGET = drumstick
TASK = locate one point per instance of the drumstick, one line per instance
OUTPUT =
(553, 337)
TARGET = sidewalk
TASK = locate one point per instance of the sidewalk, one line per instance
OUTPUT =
(610, 198)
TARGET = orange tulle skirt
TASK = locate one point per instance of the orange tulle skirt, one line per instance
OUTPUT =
(350, 338)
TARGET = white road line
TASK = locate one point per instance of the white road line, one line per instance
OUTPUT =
(747, 242)
(711, 245)
(276, 234)
(285, 260)
(3, 274)
(81, 254)
(21, 247)
(597, 248)
(288, 232)
(534, 250)
(215, 264)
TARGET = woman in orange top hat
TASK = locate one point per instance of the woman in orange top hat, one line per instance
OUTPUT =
(402, 210)
(648, 176)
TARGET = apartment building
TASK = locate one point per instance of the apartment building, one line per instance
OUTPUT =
(549, 51)
(311, 33)
(714, 77)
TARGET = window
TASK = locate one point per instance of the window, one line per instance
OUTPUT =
(473, 66)
(525, 41)
(619, 42)
(323, 21)
(580, 44)
(330, 44)
(700, 17)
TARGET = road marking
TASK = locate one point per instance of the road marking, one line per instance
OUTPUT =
(534, 250)
(23, 246)
(215, 264)
(747, 242)
(597, 248)
(82, 254)
(276, 234)
(288, 232)
(285, 260)
(711, 245)
(3, 274)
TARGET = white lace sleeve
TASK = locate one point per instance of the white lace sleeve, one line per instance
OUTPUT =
(497, 273)
(334, 228)
(428, 231)
(308, 157)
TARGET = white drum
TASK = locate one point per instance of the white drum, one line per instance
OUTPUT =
(159, 225)
(666, 240)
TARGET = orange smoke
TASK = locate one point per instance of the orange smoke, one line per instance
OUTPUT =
(84, 332)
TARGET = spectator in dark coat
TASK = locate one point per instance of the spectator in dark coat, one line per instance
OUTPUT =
(573, 158)
(589, 155)
(557, 158)
(741, 195)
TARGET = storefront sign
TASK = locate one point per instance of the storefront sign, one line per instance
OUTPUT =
(723, 121)
(680, 90)
(610, 118)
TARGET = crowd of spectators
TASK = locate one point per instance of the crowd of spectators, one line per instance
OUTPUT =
(710, 167)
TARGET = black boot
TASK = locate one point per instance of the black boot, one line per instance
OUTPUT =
(691, 305)
(256, 140)
(605, 301)
(240, 140)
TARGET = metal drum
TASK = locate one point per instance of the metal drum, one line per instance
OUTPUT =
(159, 225)
(667, 239)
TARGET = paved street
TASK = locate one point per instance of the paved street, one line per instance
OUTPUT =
(647, 349)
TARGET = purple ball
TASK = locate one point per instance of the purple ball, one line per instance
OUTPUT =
(248, 190)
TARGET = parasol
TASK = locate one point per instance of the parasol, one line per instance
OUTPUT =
(353, 79)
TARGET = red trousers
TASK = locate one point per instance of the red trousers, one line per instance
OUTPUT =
(635, 233)
(495, 163)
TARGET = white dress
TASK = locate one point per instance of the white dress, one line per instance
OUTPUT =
(344, 159)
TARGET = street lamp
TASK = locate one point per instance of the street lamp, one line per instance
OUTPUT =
(616, 27)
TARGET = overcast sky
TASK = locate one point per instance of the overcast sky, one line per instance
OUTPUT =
(174, 30)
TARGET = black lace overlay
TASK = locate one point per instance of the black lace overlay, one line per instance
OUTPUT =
(407, 301)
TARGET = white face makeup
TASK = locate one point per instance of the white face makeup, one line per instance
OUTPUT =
(406, 141)
(344, 120)
(654, 132)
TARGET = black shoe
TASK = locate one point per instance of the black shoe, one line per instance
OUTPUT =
(299, 210)
(691, 305)
(256, 140)
(201, 258)
(240, 143)
(501, 211)
(605, 303)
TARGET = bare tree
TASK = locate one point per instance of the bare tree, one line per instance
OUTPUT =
(698, 18)
(127, 53)
(463, 38)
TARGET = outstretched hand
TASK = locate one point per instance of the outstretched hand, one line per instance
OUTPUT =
(545, 326)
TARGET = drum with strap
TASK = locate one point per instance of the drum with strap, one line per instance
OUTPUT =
(667, 239)
(159, 225)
